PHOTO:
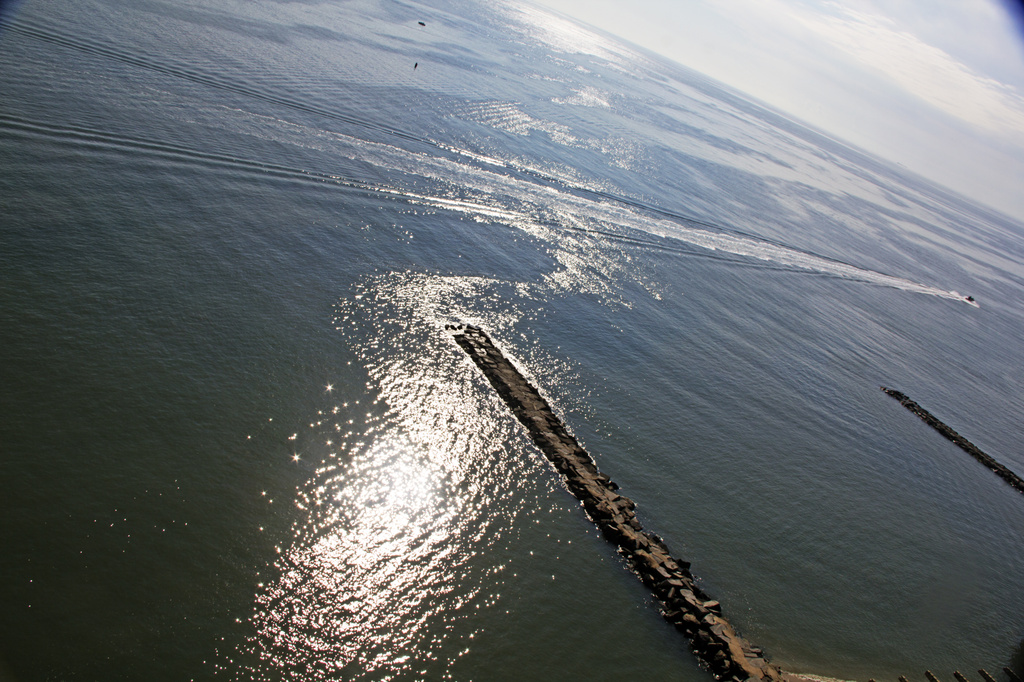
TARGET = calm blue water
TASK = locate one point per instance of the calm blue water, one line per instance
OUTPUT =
(237, 443)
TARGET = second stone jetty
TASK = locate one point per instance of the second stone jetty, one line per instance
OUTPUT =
(713, 640)
(967, 446)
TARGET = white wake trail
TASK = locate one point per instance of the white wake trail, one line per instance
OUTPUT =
(518, 202)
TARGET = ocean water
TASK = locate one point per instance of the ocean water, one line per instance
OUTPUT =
(237, 442)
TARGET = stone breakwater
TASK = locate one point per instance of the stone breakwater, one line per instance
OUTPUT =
(967, 446)
(713, 640)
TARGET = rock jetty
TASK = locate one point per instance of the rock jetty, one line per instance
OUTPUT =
(967, 446)
(713, 640)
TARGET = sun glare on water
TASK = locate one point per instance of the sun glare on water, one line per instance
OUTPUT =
(381, 556)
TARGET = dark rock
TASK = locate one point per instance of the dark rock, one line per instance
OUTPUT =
(690, 621)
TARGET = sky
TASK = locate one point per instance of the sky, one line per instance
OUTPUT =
(934, 85)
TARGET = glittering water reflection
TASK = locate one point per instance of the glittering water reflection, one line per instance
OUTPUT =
(374, 560)
(385, 556)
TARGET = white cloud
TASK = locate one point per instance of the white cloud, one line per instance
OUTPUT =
(922, 70)
(936, 85)
(980, 33)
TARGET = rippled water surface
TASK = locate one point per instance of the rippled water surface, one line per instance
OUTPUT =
(238, 443)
